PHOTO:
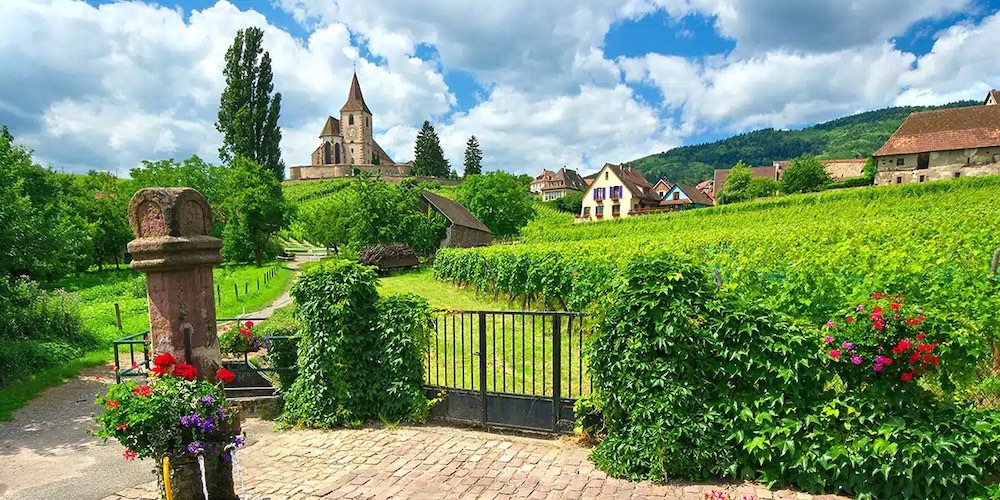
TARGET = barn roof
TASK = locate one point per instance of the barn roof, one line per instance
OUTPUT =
(454, 212)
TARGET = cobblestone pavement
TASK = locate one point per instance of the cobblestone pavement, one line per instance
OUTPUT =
(432, 462)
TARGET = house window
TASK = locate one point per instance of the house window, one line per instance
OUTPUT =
(605, 176)
(923, 178)
(599, 211)
(899, 179)
(900, 162)
(350, 119)
(677, 196)
(616, 210)
(923, 160)
(996, 158)
(586, 212)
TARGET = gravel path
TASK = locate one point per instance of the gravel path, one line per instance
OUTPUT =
(48, 453)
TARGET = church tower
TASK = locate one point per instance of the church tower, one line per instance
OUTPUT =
(356, 126)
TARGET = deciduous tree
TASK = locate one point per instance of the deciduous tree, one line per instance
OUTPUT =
(499, 200)
(255, 209)
(804, 174)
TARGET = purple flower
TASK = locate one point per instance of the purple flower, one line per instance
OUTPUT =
(847, 346)
(226, 456)
(208, 425)
(192, 420)
(207, 400)
(828, 339)
(861, 307)
(238, 442)
(856, 360)
(195, 447)
(830, 324)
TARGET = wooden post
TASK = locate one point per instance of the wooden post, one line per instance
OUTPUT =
(236, 290)
(118, 317)
(258, 283)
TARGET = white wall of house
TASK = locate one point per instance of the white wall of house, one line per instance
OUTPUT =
(606, 179)
(938, 165)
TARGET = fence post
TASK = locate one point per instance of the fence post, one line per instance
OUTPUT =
(995, 262)
(482, 364)
(246, 288)
(118, 317)
(258, 283)
(218, 293)
(236, 288)
(556, 369)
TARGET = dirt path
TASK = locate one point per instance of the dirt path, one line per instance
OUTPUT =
(47, 452)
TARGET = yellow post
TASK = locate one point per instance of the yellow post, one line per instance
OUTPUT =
(166, 478)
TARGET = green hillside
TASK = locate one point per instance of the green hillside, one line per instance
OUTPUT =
(855, 136)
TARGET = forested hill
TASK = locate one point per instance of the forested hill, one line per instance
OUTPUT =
(855, 136)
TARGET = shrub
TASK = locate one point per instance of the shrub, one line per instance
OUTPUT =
(694, 383)
(804, 174)
(357, 354)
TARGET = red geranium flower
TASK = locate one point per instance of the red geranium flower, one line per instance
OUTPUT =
(112, 404)
(835, 353)
(225, 375)
(121, 427)
(142, 391)
(877, 295)
(906, 377)
(249, 324)
(850, 319)
(185, 371)
(930, 358)
(914, 357)
(895, 306)
(159, 371)
(130, 455)
(921, 336)
(877, 310)
(165, 359)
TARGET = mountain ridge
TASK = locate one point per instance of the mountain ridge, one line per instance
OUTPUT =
(853, 136)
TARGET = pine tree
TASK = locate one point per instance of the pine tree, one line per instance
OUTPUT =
(429, 158)
(473, 157)
(248, 113)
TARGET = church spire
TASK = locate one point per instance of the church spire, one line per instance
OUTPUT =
(355, 101)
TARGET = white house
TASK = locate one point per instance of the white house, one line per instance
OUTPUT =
(617, 191)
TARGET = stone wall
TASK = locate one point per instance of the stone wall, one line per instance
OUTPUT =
(904, 169)
(311, 172)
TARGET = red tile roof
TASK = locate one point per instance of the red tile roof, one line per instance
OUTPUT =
(945, 130)
(634, 181)
(721, 174)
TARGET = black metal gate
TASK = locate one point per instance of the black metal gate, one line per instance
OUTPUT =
(508, 368)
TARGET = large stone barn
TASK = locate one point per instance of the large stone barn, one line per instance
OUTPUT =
(464, 230)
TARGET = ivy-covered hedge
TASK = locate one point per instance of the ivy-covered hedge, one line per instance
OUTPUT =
(359, 356)
(693, 383)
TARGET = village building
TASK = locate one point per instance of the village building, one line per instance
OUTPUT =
(463, 230)
(554, 185)
(661, 188)
(943, 144)
(563, 182)
(346, 145)
(684, 197)
(618, 191)
(840, 169)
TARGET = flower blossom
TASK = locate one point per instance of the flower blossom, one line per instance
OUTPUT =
(828, 339)
(856, 360)
(906, 377)
(225, 375)
(847, 346)
(165, 359)
(195, 447)
(130, 454)
(192, 420)
(142, 391)
(112, 404)
(830, 324)
(877, 295)
(835, 353)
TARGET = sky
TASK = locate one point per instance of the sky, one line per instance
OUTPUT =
(103, 85)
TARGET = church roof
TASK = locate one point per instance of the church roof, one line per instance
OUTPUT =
(355, 101)
(332, 127)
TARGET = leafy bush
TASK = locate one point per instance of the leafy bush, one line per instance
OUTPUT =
(38, 329)
(804, 174)
(499, 200)
(694, 383)
(359, 357)
(572, 203)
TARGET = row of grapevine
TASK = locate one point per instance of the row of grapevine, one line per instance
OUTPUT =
(806, 254)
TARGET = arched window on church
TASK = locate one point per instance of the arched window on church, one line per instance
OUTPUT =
(326, 153)
(350, 119)
(336, 153)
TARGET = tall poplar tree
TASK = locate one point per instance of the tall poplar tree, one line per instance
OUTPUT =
(248, 112)
(473, 158)
(428, 156)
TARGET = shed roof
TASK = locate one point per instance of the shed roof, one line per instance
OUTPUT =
(945, 130)
(454, 212)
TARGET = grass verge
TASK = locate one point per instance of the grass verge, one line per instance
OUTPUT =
(20, 393)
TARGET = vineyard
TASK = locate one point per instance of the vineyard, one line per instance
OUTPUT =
(806, 255)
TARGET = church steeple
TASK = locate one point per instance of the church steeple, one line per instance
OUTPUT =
(355, 101)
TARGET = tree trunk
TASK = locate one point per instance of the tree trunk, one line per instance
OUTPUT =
(259, 255)
(117, 262)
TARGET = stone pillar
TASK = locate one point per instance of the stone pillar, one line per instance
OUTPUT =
(173, 248)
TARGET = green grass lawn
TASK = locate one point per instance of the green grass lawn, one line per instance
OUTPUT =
(516, 363)
(98, 291)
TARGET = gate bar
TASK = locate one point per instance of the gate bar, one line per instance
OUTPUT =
(556, 369)
(482, 363)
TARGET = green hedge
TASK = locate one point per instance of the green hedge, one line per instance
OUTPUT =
(359, 356)
(693, 383)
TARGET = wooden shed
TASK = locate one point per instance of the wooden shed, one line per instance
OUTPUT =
(464, 230)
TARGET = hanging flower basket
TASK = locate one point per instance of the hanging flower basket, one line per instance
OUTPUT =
(241, 339)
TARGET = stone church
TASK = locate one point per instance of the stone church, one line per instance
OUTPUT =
(346, 145)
